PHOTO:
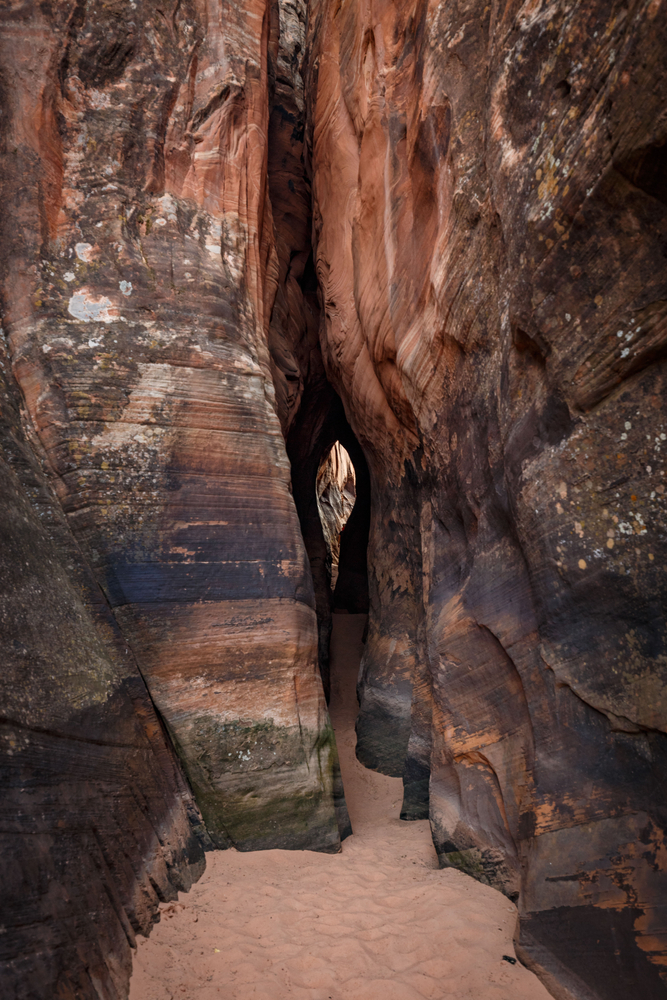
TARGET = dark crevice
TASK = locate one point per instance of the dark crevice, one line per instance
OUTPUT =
(646, 169)
(321, 422)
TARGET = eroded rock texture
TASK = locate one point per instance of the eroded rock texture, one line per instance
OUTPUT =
(154, 281)
(96, 817)
(490, 192)
(138, 322)
(488, 224)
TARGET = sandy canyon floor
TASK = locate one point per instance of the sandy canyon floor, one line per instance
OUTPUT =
(379, 921)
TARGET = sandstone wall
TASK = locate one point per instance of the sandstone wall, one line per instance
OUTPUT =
(488, 226)
(97, 824)
(490, 217)
(138, 323)
(151, 302)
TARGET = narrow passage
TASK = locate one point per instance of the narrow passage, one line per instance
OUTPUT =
(378, 922)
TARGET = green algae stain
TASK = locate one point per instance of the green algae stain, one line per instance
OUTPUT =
(466, 861)
(260, 786)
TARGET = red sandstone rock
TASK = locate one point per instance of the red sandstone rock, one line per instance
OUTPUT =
(489, 223)
(489, 201)
(96, 817)
(140, 267)
(140, 338)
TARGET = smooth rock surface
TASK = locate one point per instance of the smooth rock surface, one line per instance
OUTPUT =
(487, 223)
(141, 268)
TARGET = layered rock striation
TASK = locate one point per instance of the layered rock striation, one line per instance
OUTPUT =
(489, 214)
(98, 824)
(471, 300)
(139, 334)
(151, 300)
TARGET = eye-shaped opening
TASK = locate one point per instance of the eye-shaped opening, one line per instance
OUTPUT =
(336, 495)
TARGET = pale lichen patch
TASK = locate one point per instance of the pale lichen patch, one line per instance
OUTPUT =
(86, 308)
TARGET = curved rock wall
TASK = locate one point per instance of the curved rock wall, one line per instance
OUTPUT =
(490, 220)
(489, 217)
(151, 303)
(138, 323)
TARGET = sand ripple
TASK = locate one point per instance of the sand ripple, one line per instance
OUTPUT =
(377, 922)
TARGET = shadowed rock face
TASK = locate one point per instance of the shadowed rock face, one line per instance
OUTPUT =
(96, 817)
(489, 202)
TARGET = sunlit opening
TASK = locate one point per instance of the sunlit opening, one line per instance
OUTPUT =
(336, 493)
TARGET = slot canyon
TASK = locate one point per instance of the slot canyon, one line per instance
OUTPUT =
(334, 329)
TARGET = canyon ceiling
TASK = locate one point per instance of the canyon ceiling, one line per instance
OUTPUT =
(234, 233)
